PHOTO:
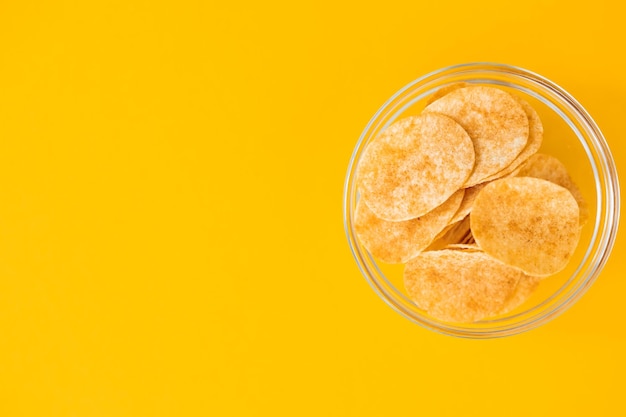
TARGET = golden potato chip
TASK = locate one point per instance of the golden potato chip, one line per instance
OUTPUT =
(414, 166)
(526, 222)
(549, 168)
(453, 233)
(459, 285)
(467, 203)
(525, 287)
(535, 139)
(395, 242)
(495, 121)
(445, 90)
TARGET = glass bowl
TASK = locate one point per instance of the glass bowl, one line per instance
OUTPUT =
(570, 134)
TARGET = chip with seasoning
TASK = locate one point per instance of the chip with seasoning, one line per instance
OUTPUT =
(397, 242)
(529, 223)
(494, 120)
(535, 139)
(413, 166)
(550, 168)
(460, 285)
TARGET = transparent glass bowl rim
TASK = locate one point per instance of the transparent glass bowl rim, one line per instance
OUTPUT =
(607, 189)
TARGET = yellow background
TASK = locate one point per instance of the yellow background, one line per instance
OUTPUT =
(171, 237)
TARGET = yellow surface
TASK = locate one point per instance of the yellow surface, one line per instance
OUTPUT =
(171, 238)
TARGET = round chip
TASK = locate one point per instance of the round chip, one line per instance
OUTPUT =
(445, 90)
(396, 242)
(459, 285)
(528, 223)
(495, 121)
(413, 166)
(525, 287)
(551, 169)
(535, 139)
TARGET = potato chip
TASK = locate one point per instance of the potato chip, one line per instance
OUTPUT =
(528, 223)
(396, 242)
(549, 168)
(445, 90)
(495, 121)
(535, 139)
(414, 166)
(525, 287)
(459, 285)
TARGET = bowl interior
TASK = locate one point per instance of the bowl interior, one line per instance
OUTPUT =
(569, 134)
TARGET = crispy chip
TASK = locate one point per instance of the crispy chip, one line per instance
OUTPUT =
(495, 121)
(414, 166)
(459, 285)
(445, 90)
(525, 287)
(549, 168)
(395, 242)
(535, 139)
(528, 223)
